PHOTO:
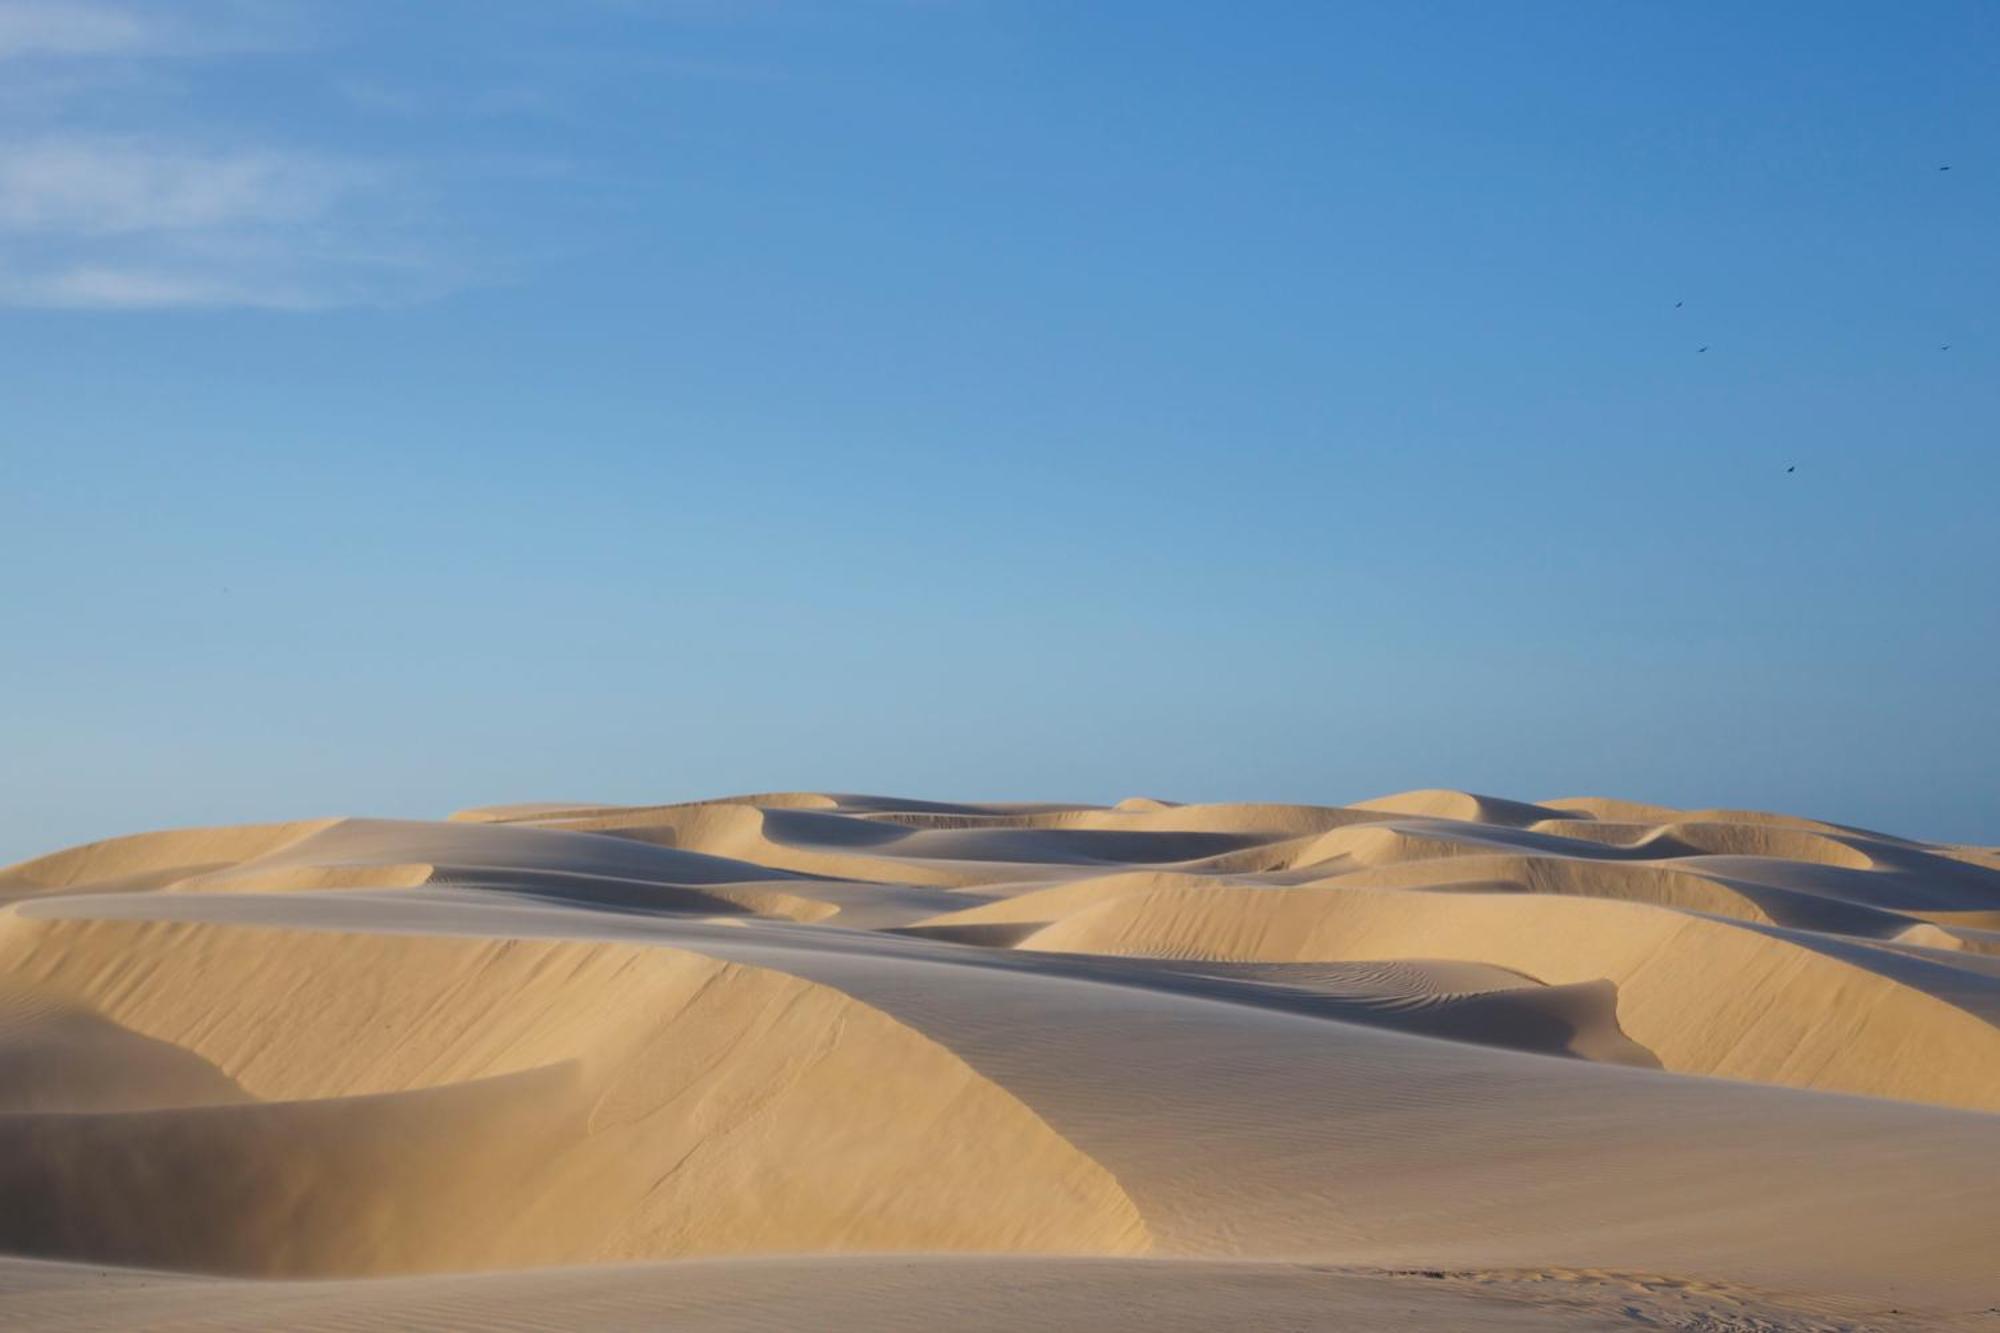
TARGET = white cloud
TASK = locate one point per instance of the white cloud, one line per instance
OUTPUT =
(102, 288)
(98, 186)
(179, 215)
(135, 223)
(216, 271)
(64, 28)
(80, 29)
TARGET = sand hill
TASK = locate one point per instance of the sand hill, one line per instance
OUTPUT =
(1429, 1061)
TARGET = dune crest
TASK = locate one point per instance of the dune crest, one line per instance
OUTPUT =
(1439, 1058)
(574, 1101)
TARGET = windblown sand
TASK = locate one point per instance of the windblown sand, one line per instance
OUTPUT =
(1433, 1061)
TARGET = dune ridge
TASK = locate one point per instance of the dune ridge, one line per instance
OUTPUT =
(1430, 1060)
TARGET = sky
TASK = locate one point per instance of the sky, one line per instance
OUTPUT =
(412, 404)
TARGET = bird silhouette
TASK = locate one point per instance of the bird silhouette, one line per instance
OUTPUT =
(1945, 348)
(1679, 304)
(1944, 168)
(1701, 349)
(1793, 468)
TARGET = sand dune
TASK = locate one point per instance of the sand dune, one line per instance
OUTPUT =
(1433, 1060)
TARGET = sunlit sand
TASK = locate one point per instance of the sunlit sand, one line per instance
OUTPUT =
(1431, 1061)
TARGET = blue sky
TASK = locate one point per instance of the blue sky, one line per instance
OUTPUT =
(410, 405)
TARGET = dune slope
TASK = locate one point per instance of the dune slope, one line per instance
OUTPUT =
(1432, 1060)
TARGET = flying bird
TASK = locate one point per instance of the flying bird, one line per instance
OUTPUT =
(1944, 168)
(1679, 304)
(1701, 349)
(1793, 468)
(1945, 348)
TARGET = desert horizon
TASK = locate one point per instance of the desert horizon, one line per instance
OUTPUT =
(1416, 581)
(1432, 1060)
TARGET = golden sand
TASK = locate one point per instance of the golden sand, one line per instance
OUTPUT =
(1430, 1061)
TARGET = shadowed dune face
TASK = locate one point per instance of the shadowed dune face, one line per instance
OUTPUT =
(1433, 1029)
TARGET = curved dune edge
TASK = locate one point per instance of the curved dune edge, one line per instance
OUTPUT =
(150, 860)
(923, 847)
(1659, 886)
(1704, 996)
(882, 862)
(1439, 803)
(1483, 873)
(373, 854)
(366, 1104)
(576, 1034)
(1042, 907)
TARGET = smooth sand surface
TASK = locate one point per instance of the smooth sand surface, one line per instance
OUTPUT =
(1429, 1061)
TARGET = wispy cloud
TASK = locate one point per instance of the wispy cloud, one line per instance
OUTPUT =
(99, 287)
(77, 29)
(50, 28)
(118, 186)
(150, 224)
(186, 215)
(247, 283)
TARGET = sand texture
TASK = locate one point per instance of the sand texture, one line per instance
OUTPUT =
(800, 1060)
